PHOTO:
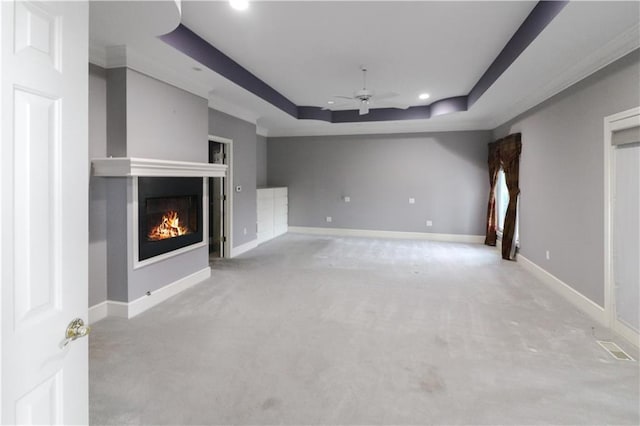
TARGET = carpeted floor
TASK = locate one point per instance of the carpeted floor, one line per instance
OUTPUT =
(321, 330)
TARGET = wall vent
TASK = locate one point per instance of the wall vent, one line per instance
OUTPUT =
(615, 351)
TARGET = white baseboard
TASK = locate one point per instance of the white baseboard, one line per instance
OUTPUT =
(112, 308)
(341, 232)
(98, 312)
(158, 296)
(237, 251)
(577, 299)
(629, 334)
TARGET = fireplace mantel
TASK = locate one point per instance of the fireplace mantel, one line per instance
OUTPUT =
(131, 166)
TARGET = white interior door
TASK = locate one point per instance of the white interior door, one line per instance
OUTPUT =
(626, 234)
(44, 181)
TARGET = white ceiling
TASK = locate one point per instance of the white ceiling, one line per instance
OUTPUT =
(311, 50)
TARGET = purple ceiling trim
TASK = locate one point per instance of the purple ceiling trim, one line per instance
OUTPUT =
(542, 14)
(189, 43)
(314, 113)
(449, 105)
(381, 114)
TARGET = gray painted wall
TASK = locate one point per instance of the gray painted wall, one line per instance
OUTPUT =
(243, 135)
(261, 161)
(562, 168)
(97, 186)
(135, 115)
(445, 172)
(164, 122)
(117, 243)
(116, 111)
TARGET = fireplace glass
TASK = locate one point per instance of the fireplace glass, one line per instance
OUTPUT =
(169, 214)
(170, 217)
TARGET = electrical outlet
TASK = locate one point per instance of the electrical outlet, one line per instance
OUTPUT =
(548, 255)
(412, 200)
(329, 218)
(347, 199)
(429, 223)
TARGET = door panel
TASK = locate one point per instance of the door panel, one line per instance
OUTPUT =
(626, 234)
(36, 143)
(44, 182)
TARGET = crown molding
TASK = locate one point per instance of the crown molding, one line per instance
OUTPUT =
(244, 114)
(262, 131)
(97, 55)
(608, 53)
(383, 128)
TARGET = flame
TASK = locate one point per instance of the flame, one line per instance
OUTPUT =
(169, 227)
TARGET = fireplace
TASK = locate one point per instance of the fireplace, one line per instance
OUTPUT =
(169, 214)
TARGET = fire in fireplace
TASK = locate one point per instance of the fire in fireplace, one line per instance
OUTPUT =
(169, 214)
(172, 223)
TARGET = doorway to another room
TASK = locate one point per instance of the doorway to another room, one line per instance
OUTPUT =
(622, 207)
(220, 150)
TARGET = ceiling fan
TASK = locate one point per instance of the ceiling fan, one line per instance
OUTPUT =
(364, 97)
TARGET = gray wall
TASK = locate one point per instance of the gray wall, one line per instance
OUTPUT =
(261, 161)
(97, 187)
(243, 135)
(135, 115)
(164, 122)
(561, 175)
(445, 172)
(116, 111)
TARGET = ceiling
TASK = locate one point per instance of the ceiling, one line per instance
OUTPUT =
(309, 51)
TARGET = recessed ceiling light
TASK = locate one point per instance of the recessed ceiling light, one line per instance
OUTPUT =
(239, 4)
(424, 96)
(331, 102)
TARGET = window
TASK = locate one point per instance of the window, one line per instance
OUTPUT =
(502, 202)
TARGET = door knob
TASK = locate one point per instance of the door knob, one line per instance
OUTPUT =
(75, 329)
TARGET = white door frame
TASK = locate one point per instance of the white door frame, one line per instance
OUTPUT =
(1, 197)
(620, 121)
(228, 203)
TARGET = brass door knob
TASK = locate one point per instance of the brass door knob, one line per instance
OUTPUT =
(75, 329)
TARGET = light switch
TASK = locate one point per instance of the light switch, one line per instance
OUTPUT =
(347, 199)
(412, 200)
(238, 188)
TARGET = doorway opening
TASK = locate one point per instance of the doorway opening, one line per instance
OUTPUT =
(622, 206)
(220, 199)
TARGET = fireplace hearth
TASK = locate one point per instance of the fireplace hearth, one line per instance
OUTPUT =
(169, 214)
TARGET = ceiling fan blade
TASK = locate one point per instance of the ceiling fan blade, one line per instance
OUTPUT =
(343, 97)
(364, 108)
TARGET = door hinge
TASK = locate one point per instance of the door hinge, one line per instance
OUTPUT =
(224, 239)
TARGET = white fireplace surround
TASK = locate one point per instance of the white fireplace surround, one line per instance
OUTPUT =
(136, 167)
(132, 166)
(135, 223)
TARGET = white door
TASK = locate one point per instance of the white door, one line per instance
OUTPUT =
(43, 184)
(626, 235)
